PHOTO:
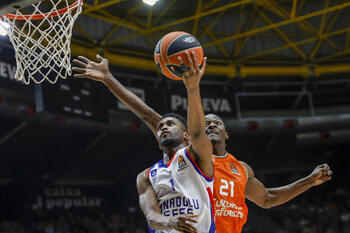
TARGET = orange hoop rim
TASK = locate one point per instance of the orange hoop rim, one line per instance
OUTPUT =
(44, 15)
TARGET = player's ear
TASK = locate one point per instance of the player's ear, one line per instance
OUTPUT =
(227, 135)
(187, 137)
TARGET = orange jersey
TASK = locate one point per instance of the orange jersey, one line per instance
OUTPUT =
(230, 179)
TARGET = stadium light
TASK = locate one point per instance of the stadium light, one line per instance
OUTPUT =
(3, 28)
(150, 2)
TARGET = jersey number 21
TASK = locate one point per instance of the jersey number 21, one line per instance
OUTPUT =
(227, 188)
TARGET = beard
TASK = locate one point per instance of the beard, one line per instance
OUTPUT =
(170, 142)
(214, 140)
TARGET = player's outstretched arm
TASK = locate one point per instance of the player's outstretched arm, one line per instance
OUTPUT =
(201, 147)
(150, 208)
(100, 72)
(256, 192)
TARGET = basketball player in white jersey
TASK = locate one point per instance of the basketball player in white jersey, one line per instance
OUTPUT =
(182, 183)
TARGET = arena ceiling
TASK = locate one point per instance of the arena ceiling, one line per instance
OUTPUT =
(296, 37)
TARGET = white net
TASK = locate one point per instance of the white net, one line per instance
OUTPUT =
(41, 40)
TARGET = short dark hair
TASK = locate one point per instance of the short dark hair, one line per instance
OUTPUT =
(177, 116)
(214, 115)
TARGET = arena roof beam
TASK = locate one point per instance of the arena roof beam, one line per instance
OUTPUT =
(240, 19)
(176, 22)
(83, 33)
(227, 70)
(210, 4)
(294, 8)
(329, 28)
(239, 26)
(213, 38)
(108, 17)
(278, 9)
(320, 32)
(210, 26)
(250, 23)
(115, 28)
(195, 23)
(282, 35)
(347, 39)
(113, 19)
(82, 43)
(334, 19)
(279, 24)
(296, 43)
(101, 6)
(331, 69)
(301, 4)
(164, 11)
(334, 55)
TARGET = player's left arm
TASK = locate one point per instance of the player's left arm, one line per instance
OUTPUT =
(201, 147)
(150, 207)
(264, 197)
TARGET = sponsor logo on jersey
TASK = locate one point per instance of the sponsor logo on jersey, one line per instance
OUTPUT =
(154, 173)
(181, 162)
(225, 208)
(234, 169)
(179, 206)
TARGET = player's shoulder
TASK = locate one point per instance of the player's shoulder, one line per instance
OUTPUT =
(160, 163)
(142, 177)
(249, 170)
(182, 151)
(232, 157)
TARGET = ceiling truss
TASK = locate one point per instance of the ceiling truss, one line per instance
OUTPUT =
(255, 18)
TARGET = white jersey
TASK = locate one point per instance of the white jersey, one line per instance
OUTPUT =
(182, 189)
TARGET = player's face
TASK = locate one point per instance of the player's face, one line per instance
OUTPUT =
(170, 132)
(215, 128)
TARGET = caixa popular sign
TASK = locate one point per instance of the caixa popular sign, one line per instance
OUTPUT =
(66, 198)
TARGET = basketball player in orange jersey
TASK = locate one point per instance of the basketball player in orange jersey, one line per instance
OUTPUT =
(184, 200)
(246, 182)
(234, 180)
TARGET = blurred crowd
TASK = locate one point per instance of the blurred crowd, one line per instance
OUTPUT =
(132, 222)
(304, 215)
(323, 209)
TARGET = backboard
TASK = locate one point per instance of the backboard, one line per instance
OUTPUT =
(10, 6)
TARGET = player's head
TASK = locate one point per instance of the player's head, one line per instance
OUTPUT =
(215, 129)
(172, 131)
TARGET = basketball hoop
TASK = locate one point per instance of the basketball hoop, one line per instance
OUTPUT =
(41, 40)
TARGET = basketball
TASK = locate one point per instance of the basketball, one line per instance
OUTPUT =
(172, 45)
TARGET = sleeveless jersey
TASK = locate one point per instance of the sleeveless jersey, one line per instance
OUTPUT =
(229, 199)
(182, 189)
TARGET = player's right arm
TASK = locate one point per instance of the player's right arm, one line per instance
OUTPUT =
(201, 147)
(150, 208)
(100, 72)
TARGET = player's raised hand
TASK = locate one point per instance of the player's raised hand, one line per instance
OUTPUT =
(97, 71)
(183, 224)
(320, 174)
(192, 77)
